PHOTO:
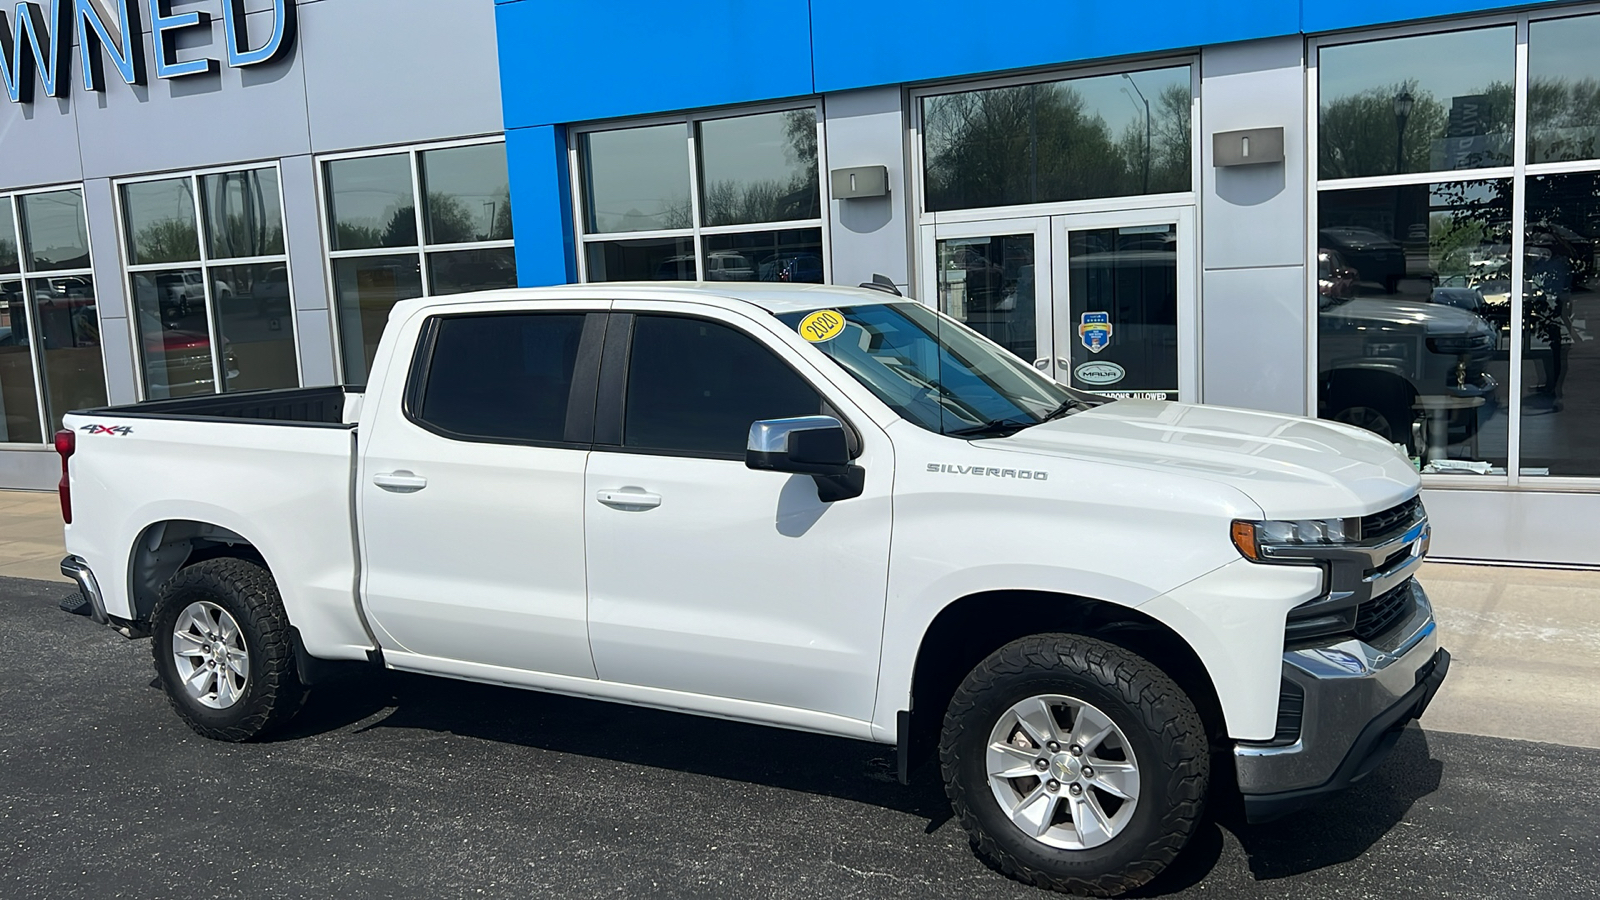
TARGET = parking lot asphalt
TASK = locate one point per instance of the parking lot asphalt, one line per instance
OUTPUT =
(403, 786)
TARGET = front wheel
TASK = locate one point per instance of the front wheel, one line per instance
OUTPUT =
(223, 650)
(1074, 764)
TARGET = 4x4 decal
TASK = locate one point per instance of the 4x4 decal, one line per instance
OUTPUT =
(107, 429)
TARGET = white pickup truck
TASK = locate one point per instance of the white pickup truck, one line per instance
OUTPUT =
(819, 508)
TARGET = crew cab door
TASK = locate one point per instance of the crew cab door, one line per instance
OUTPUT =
(705, 576)
(472, 491)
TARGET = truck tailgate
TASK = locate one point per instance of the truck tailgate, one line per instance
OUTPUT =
(285, 487)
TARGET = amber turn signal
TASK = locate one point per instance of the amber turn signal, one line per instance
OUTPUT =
(1244, 537)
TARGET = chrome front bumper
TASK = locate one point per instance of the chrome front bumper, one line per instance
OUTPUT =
(1357, 697)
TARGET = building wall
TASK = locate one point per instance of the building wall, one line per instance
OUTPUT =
(358, 76)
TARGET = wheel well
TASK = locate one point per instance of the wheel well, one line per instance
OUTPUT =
(163, 548)
(968, 630)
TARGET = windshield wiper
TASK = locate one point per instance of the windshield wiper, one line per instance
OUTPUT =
(1067, 408)
(995, 428)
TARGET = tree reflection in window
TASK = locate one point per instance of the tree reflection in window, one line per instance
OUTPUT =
(1107, 136)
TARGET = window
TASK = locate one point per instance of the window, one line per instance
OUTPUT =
(208, 275)
(1442, 325)
(502, 377)
(50, 360)
(695, 387)
(385, 247)
(1075, 139)
(731, 198)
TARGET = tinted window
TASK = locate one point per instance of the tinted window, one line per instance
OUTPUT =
(502, 377)
(696, 386)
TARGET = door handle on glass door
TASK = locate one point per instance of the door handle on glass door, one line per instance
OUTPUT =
(400, 482)
(629, 499)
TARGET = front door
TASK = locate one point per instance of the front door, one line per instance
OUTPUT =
(1103, 302)
(709, 578)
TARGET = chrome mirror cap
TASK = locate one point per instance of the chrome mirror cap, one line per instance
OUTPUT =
(772, 435)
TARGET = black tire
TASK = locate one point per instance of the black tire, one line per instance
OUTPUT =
(1163, 731)
(272, 692)
(1386, 418)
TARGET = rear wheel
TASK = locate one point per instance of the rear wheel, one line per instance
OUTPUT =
(223, 650)
(1074, 764)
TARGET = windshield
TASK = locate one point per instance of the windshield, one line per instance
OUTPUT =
(935, 371)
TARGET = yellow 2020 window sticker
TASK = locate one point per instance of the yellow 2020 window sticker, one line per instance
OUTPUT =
(822, 325)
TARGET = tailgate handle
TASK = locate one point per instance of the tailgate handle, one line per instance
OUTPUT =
(401, 482)
(629, 499)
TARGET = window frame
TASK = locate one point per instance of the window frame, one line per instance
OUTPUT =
(616, 363)
(585, 377)
(24, 275)
(1518, 173)
(421, 249)
(204, 263)
(917, 157)
(696, 232)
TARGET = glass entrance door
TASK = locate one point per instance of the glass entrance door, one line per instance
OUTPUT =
(995, 277)
(1126, 304)
(1103, 302)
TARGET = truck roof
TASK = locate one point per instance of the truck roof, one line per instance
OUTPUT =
(774, 297)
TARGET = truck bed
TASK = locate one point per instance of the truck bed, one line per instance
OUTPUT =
(324, 406)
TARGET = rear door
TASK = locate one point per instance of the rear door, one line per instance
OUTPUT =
(472, 491)
(705, 576)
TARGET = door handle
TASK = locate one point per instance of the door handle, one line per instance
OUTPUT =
(400, 482)
(629, 499)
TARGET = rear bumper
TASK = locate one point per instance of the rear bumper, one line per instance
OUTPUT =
(75, 568)
(1357, 698)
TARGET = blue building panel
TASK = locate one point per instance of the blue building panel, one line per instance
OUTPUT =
(570, 62)
(864, 44)
(541, 209)
(1333, 15)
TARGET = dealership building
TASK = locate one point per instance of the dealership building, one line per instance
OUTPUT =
(1382, 213)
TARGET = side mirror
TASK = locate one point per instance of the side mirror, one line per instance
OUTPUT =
(807, 445)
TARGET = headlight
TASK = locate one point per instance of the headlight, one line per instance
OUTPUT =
(1252, 537)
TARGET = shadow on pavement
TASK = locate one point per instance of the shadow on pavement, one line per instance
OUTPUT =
(1347, 824)
(792, 760)
(1338, 830)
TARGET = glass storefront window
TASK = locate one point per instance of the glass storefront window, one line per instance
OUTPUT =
(1123, 284)
(160, 219)
(211, 324)
(1075, 139)
(760, 168)
(381, 243)
(794, 255)
(636, 179)
(10, 261)
(370, 203)
(1429, 103)
(244, 214)
(1413, 316)
(253, 314)
(755, 173)
(365, 289)
(50, 359)
(55, 231)
(1563, 90)
(648, 259)
(19, 402)
(468, 194)
(68, 327)
(1560, 353)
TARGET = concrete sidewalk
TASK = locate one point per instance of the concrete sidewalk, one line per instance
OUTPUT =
(1525, 642)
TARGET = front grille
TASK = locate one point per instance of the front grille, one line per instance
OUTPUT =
(1391, 519)
(1384, 611)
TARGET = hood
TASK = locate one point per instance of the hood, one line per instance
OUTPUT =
(1292, 467)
